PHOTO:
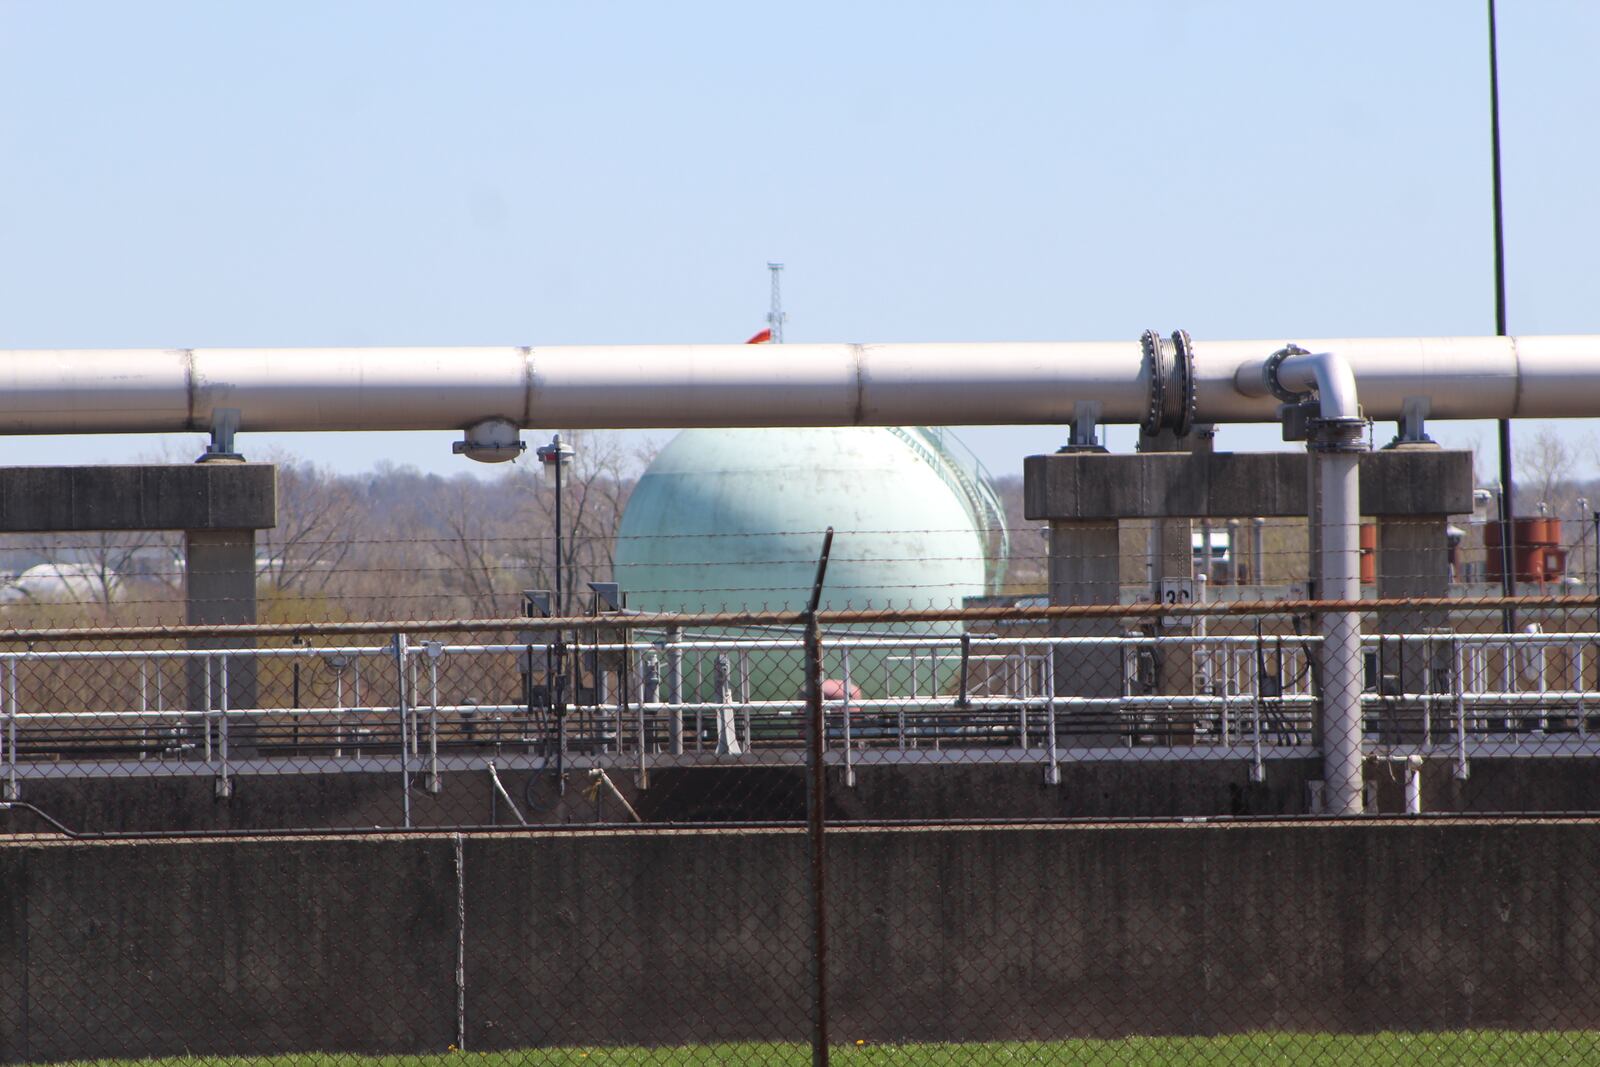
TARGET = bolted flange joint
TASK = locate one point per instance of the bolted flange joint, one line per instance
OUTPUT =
(1169, 370)
(1270, 372)
(1344, 434)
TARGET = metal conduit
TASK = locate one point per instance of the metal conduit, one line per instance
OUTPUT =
(49, 391)
(1337, 440)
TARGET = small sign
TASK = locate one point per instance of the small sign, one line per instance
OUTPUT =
(1176, 592)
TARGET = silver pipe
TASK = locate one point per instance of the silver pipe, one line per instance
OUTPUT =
(49, 391)
(675, 691)
(1413, 779)
(1337, 444)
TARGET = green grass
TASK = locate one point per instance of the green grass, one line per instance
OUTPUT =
(1289, 1050)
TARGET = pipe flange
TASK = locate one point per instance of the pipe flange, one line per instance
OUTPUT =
(1345, 434)
(1183, 366)
(1269, 371)
(1156, 373)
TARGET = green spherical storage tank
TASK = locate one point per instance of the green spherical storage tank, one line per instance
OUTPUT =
(733, 520)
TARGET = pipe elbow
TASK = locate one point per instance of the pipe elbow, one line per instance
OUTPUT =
(1336, 386)
(1325, 374)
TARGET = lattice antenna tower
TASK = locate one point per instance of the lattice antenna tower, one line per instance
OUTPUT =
(776, 317)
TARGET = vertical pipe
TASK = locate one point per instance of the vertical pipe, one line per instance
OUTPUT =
(224, 789)
(1052, 774)
(650, 684)
(1413, 785)
(1430, 659)
(744, 715)
(144, 705)
(849, 755)
(1257, 769)
(433, 724)
(1341, 633)
(1223, 671)
(338, 718)
(1022, 708)
(675, 690)
(625, 683)
(416, 725)
(205, 718)
(727, 730)
(403, 706)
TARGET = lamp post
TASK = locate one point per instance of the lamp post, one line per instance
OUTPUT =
(556, 455)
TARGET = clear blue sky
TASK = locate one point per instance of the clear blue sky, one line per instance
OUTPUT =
(521, 173)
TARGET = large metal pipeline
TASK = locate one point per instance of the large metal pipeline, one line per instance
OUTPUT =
(49, 391)
(494, 392)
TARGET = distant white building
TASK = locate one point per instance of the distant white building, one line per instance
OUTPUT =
(57, 583)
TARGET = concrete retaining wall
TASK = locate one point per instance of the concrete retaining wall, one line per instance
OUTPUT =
(1111, 790)
(254, 945)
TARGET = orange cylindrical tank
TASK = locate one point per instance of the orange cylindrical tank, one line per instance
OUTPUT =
(1539, 556)
(1369, 553)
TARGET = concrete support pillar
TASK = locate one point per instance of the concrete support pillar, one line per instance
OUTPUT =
(1413, 561)
(1175, 663)
(1085, 568)
(1084, 496)
(1258, 550)
(220, 589)
(1235, 548)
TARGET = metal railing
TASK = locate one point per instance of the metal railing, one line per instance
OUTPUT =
(425, 707)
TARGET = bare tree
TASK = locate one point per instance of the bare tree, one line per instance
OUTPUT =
(594, 492)
(475, 546)
(1546, 467)
(319, 526)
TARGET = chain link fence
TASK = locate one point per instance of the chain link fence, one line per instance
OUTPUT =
(1227, 832)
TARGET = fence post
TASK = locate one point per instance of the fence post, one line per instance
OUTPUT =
(402, 706)
(816, 792)
(434, 650)
(1052, 771)
(224, 785)
(11, 790)
(205, 713)
(625, 683)
(816, 800)
(849, 739)
(1459, 713)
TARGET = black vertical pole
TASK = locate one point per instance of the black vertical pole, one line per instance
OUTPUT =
(561, 608)
(1508, 548)
(816, 787)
